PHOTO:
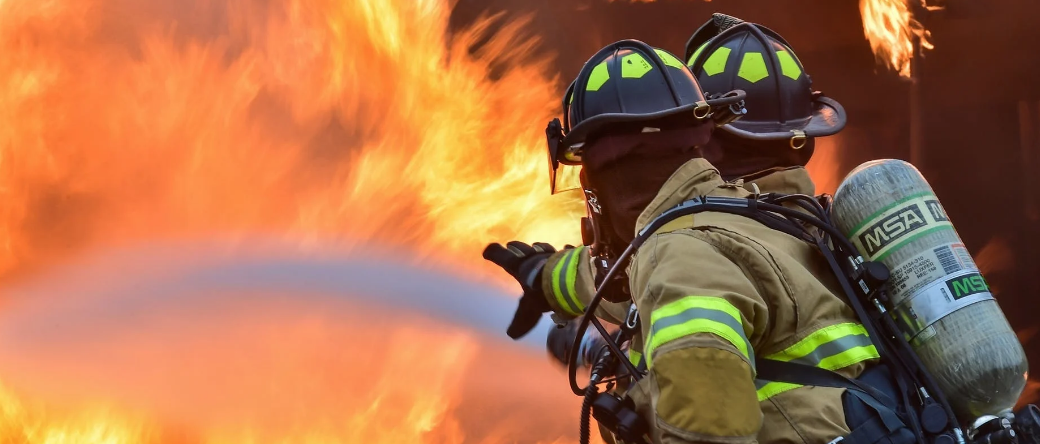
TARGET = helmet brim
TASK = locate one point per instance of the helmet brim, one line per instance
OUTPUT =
(828, 118)
(699, 112)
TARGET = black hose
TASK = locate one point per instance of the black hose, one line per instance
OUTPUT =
(590, 317)
(586, 413)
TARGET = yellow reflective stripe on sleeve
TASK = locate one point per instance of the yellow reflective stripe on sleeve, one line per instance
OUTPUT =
(812, 343)
(564, 278)
(849, 357)
(831, 348)
(698, 314)
(768, 390)
(635, 357)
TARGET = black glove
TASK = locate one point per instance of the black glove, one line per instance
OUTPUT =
(523, 262)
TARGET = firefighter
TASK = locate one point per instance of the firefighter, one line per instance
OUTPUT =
(767, 148)
(716, 290)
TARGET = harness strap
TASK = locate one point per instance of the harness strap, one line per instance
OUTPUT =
(869, 432)
(885, 423)
(874, 430)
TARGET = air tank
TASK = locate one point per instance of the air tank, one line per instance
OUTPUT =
(938, 296)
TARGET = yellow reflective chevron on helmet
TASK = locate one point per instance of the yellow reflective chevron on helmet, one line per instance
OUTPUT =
(695, 54)
(634, 66)
(716, 63)
(598, 77)
(669, 59)
(753, 67)
(635, 357)
(788, 65)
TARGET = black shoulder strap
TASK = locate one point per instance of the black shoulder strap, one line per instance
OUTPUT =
(768, 209)
(801, 374)
(795, 373)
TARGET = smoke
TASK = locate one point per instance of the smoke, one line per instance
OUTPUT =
(273, 338)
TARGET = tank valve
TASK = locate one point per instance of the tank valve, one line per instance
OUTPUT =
(993, 430)
(1027, 423)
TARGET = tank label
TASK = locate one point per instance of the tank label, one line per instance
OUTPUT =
(930, 265)
(940, 298)
(899, 223)
(968, 285)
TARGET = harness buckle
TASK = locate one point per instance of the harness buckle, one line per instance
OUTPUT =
(632, 320)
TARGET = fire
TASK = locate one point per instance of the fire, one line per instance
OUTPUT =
(349, 121)
(320, 121)
(823, 167)
(153, 359)
(890, 28)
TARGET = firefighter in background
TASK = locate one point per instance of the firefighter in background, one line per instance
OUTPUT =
(768, 148)
(715, 290)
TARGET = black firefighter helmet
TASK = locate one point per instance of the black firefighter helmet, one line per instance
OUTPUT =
(728, 53)
(629, 85)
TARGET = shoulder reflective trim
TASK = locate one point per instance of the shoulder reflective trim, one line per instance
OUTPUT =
(716, 63)
(564, 277)
(669, 59)
(753, 67)
(830, 348)
(788, 65)
(634, 66)
(698, 314)
(695, 54)
(598, 77)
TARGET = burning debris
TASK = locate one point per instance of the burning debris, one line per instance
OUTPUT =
(892, 30)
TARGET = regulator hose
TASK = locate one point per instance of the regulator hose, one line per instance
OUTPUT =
(586, 413)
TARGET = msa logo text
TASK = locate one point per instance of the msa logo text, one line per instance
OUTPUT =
(967, 285)
(891, 228)
(938, 213)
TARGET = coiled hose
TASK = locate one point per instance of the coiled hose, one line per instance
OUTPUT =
(586, 412)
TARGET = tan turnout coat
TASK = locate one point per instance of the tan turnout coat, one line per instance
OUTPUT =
(713, 291)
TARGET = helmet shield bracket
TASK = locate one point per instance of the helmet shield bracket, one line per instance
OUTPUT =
(562, 177)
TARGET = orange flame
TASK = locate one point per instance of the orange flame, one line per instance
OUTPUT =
(319, 120)
(281, 372)
(891, 28)
(316, 120)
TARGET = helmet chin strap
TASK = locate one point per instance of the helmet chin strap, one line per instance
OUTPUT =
(598, 235)
(740, 158)
(597, 220)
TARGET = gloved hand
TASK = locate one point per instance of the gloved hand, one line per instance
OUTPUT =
(523, 262)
